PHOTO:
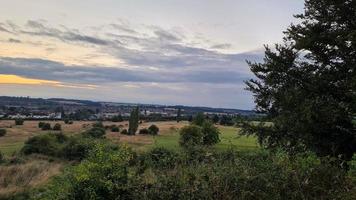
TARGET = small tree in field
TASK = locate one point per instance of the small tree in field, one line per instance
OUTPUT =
(210, 133)
(46, 126)
(153, 129)
(19, 122)
(57, 127)
(191, 136)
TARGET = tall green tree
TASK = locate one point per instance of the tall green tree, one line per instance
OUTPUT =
(179, 113)
(307, 85)
(199, 119)
(134, 121)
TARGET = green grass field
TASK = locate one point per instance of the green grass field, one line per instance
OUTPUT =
(229, 139)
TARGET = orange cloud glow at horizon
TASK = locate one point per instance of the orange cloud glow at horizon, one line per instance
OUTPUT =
(14, 79)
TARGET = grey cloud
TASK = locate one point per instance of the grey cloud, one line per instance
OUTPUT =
(165, 49)
(221, 46)
(37, 28)
(11, 40)
(50, 70)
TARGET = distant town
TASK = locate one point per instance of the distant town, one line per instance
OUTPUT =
(58, 108)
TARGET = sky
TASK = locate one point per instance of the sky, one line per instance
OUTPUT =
(173, 52)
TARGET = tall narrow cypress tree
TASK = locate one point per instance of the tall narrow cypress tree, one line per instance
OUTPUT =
(133, 121)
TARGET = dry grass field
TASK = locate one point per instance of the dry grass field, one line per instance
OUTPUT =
(168, 135)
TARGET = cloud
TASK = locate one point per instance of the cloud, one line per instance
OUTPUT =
(221, 46)
(11, 40)
(56, 71)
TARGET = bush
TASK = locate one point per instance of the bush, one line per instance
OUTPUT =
(210, 133)
(98, 125)
(117, 118)
(46, 144)
(103, 175)
(40, 124)
(77, 148)
(19, 122)
(144, 131)
(57, 127)
(115, 128)
(95, 132)
(67, 121)
(2, 132)
(190, 136)
(46, 126)
(162, 158)
(153, 130)
(199, 119)
(124, 132)
(2, 158)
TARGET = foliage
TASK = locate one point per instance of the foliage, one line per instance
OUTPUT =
(47, 144)
(307, 85)
(215, 119)
(104, 175)
(117, 118)
(153, 129)
(57, 127)
(134, 121)
(40, 124)
(144, 131)
(124, 132)
(2, 132)
(199, 119)
(68, 121)
(95, 132)
(98, 125)
(77, 148)
(210, 133)
(191, 136)
(115, 128)
(46, 126)
(19, 122)
(226, 121)
(179, 114)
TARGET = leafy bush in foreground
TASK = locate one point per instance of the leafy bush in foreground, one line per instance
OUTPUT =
(163, 174)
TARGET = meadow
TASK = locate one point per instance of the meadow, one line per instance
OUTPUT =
(168, 136)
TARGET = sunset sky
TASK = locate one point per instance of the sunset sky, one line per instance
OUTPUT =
(161, 52)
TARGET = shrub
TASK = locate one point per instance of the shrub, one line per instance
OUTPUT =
(46, 144)
(199, 119)
(144, 131)
(190, 135)
(95, 132)
(162, 158)
(2, 159)
(103, 175)
(210, 133)
(115, 129)
(46, 126)
(98, 125)
(57, 127)
(19, 122)
(117, 118)
(40, 124)
(153, 129)
(67, 121)
(77, 148)
(2, 132)
(124, 132)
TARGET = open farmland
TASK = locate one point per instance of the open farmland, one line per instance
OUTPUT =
(168, 135)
